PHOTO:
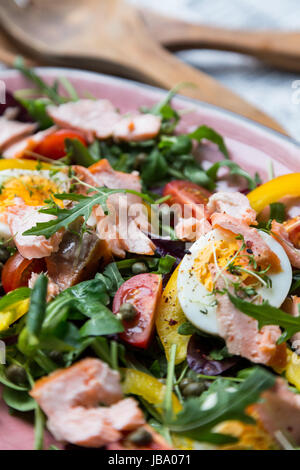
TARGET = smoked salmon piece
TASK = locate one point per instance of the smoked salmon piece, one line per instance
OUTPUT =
(241, 333)
(234, 204)
(21, 218)
(86, 383)
(72, 399)
(137, 128)
(190, 229)
(12, 131)
(105, 175)
(279, 410)
(99, 119)
(281, 234)
(18, 149)
(263, 255)
(95, 118)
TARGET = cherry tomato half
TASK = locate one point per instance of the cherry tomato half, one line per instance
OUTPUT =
(17, 271)
(143, 291)
(53, 145)
(187, 195)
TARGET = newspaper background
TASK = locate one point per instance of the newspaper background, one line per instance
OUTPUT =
(267, 88)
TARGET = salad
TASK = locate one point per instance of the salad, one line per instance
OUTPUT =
(146, 302)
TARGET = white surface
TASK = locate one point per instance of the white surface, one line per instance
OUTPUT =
(268, 89)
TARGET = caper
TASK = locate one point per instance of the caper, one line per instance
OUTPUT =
(127, 312)
(140, 437)
(4, 254)
(184, 383)
(140, 159)
(139, 268)
(16, 374)
(57, 357)
(194, 389)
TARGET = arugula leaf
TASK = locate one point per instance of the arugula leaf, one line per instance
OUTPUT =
(277, 212)
(78, 153)
(266, 314)
(226, 402)
(64, 217)
(18, 400)
(235, 169)
(205, 132)
(37, 110)
(112, 278)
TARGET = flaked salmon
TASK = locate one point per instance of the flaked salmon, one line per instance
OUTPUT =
(137, 127)
(18, 149)
(72, 399)
(241, 333)
(12, 131)
(99, 119)
(20, 218)
(233, 204)
(190, 229)
(281, 234)
(95, 118)
(279, 410)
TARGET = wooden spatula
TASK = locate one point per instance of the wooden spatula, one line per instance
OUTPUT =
(277, 48)
(110, 36)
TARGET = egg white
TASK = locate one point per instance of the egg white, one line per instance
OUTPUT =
(199, 305)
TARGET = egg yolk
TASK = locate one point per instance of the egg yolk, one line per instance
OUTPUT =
(222, 252)
(33, 189)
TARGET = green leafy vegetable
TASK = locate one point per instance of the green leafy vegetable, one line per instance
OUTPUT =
(5, 381)
(234, 169)
(64, 217)
(204, 132)
(187, 329)
(18, 400)
(42, 86)
(78, 153)
(17, 295)
(266, 314)
(37, 110)
(220, 403)
(277, 212)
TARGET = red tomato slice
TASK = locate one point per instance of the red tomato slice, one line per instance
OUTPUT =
(186, 193)
(53, 145)
(17, 271)
(143, 291)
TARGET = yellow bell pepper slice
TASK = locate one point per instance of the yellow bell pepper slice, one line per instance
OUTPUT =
(12, 313)
(274, 190)
(23, 164)
(169, 317)
(148, 387)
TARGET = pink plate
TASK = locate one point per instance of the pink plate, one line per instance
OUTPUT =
(253, 146)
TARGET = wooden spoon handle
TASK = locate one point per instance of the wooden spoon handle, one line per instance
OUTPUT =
(280, 49)
(167, 71)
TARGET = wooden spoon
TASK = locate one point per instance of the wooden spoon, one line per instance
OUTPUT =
(279, 49)
(8, 52)
(109, 35)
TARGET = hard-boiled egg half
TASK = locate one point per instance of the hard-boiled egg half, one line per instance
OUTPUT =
(32, 181)
(195, 282)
